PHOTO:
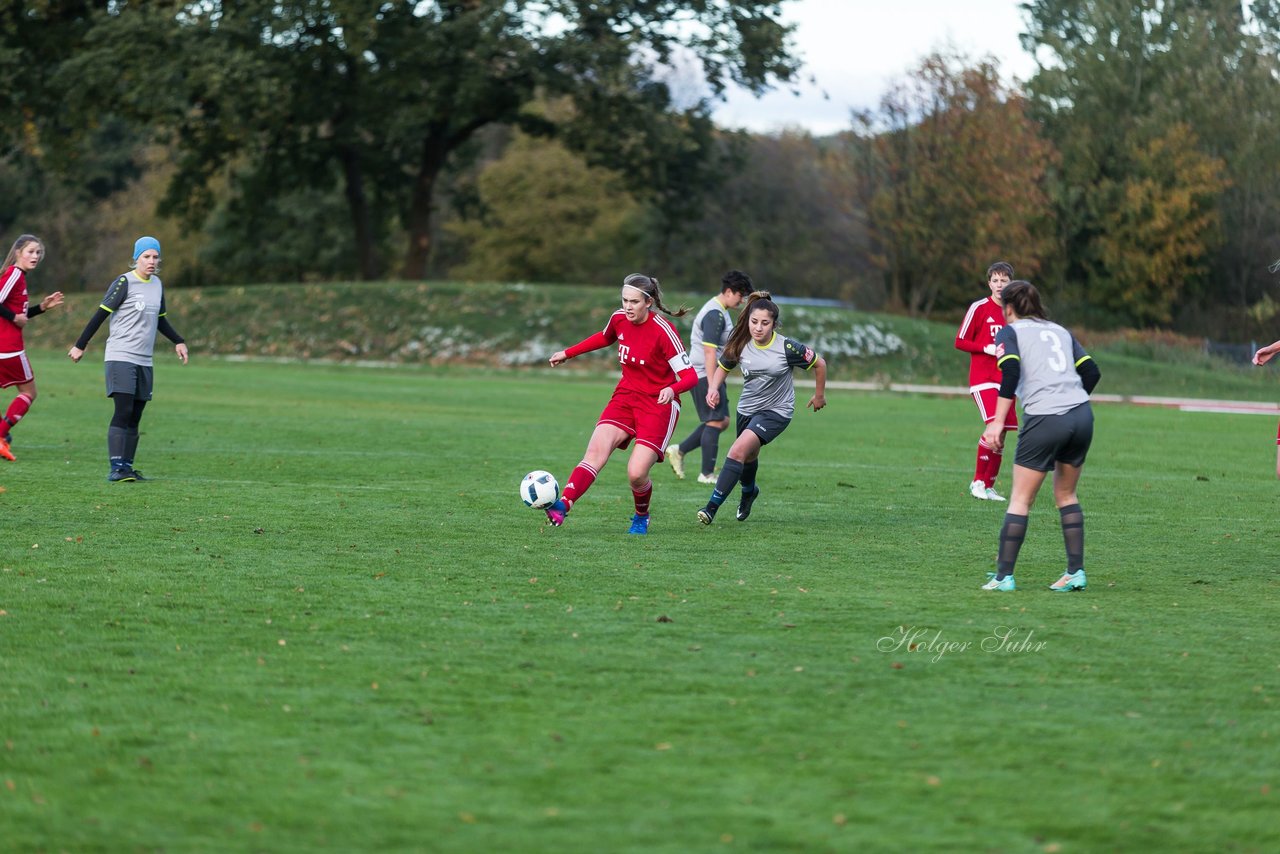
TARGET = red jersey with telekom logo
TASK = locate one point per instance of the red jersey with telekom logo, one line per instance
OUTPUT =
(13, 296)
(650, 353)
(981, 323)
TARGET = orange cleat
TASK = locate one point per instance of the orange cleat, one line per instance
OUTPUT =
(4, 449)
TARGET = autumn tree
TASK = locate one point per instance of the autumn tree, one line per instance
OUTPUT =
(778, 217)
(1154, 226)
(377, 99)
(542, 214)
(951, 172)
(1195, 82)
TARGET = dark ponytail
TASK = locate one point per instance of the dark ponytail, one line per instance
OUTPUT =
(741, 334)
(1024, 299)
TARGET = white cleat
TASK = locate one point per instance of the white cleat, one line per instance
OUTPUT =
(978, 490)
(707, 478)
(676, 459)
(992, 495)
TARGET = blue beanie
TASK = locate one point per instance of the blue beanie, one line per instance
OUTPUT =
(143, 244)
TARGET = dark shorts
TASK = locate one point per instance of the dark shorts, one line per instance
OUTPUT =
(1046, 440)
(767, 425)
(128, 378)
(706, 413)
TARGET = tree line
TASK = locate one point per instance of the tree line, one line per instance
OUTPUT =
(1135, 175)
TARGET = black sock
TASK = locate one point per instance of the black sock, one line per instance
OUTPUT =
(1012, 533)
(728, 479)
(749, 475)
(1073, 535)
(117, 441)
(693, 440)
(710, 448)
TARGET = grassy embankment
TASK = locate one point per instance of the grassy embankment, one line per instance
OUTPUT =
(445, 323)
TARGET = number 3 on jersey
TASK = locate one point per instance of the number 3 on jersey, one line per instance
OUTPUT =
(1058, 359)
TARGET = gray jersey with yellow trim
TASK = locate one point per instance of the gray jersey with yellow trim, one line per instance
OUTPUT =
(136, 306)
(712, 325)
(1048, 356)
(767, 385)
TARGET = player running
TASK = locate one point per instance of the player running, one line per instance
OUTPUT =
(1053, 377)
(15, 313)
(645, 403)
(768, 399)
(977, 337)
(711, 327)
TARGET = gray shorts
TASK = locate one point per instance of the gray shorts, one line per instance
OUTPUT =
(767, 425)
(1046, 440)
(706, 413)
(128, 378)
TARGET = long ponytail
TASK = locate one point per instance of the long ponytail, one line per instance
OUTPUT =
(741, 334)
(650, 287)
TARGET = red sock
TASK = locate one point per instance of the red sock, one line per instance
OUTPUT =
(580, 480)
(17, 409)
(983, 463)
(993, 467)
(642, 497)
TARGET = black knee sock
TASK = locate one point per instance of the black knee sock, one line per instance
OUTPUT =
(749, 475)
(131, 442)
(1012, 533)
(118, 432)
(710, 447)
(117, 442)
(1073, 535)
(728, 479)
(693, 440)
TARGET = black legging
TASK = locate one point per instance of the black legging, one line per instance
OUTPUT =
(128, 411)
(122, 435)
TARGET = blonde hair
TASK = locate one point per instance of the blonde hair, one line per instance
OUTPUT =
(19, 245)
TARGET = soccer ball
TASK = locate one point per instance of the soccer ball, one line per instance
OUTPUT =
(539, 489)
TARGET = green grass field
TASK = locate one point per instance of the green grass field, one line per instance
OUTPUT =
(329, 624)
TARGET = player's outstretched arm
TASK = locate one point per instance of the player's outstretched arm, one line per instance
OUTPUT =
(1264, 354)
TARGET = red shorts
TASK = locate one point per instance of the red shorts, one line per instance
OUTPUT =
(15, 369)
(643, 418)
(986, 399)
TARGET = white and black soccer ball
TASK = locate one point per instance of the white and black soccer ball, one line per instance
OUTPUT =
(539, 489)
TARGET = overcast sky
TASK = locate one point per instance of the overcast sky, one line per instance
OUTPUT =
(854, 48)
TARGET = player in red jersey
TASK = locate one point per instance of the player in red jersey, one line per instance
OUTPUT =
(15, 312)
(645, 403)
(1261, 357)
(977, 337)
